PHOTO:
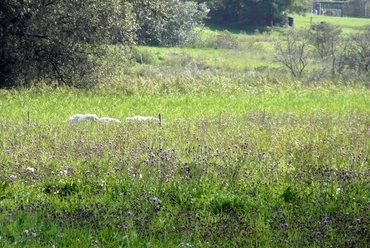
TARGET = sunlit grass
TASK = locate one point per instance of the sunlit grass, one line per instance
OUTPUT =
(241, 159)
(55, 106)
(271, 167)
(347, 24)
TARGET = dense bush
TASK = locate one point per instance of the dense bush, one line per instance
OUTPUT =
(226, 41)
(174, 28)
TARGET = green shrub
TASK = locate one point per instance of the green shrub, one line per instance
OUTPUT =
(181, 24)
(225, 40)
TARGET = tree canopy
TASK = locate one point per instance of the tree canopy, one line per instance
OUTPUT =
(174, 26)
(62, 40)
(54, 39)
(241, 13)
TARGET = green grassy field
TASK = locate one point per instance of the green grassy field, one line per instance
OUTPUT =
(240, 160)
(347, 24)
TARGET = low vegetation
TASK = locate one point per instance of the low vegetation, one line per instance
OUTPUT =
(246, 156)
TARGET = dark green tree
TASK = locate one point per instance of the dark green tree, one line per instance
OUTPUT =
(59, 40)
(357, 8)
(171, 23)
(253, 12)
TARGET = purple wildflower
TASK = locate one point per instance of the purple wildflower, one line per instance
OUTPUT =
(359, 220)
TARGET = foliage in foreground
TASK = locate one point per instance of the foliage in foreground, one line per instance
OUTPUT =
(244, 178)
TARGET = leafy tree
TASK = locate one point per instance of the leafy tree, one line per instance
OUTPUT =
(59, 39)
(64, 40)
(240, 13)
(230, 12)
(271, 11)
(357, 8)
(326, 39)
(174, 26)
(357, 56)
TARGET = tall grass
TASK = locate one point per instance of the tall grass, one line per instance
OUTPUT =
(184, 99)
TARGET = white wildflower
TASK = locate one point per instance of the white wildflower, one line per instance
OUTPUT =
(30, 170)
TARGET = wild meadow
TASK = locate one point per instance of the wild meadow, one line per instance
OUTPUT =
(244, 157)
